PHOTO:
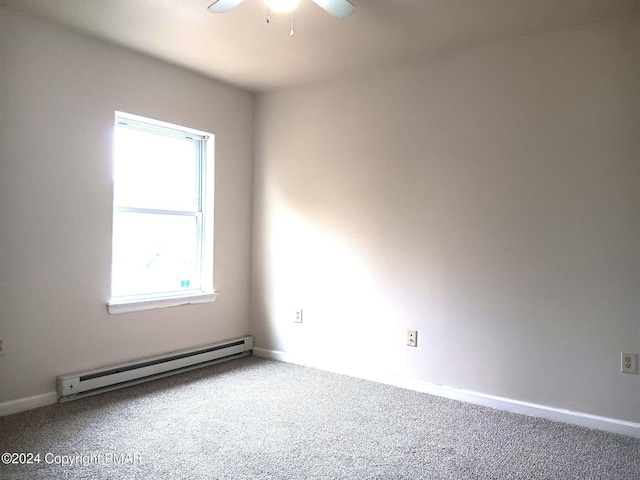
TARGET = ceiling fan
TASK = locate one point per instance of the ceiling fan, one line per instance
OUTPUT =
(337, 8)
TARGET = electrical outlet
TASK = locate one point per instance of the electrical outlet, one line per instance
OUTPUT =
(629, 362)
(412, 338)
(298, 316)
(2, 348)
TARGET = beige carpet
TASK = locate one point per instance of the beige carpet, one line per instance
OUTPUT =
(258, 419)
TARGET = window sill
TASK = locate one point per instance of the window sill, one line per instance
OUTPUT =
(115, 308)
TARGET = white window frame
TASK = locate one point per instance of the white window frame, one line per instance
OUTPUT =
(205, 294)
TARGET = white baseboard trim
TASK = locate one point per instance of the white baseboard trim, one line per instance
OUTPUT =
(606, 424)
(22, 404)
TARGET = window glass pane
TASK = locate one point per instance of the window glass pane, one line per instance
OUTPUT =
(154, 253)
(155, 171)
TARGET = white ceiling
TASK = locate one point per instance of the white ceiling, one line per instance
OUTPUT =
(239, 47)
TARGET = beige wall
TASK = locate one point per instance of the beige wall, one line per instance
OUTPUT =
(58, 94)
(488, 198)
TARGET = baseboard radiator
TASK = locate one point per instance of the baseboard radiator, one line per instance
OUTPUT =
(84, 384)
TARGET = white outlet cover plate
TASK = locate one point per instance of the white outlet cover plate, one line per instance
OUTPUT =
(412, 338)
(628, 362)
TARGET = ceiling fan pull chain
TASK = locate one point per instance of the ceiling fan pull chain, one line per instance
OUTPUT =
(292, 32)
(268, 14)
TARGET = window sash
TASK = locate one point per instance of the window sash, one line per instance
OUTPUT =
(200, 156)
(165, 287)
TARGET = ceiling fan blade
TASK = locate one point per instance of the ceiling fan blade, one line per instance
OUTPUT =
(337, 8)
(223, 6)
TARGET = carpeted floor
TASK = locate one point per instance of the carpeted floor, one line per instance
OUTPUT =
(258, 419)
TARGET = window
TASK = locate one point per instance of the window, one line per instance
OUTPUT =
(162, 215)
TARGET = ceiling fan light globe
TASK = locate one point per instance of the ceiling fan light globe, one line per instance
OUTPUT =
(282, 5)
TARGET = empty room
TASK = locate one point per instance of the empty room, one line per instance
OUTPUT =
(320, 239)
